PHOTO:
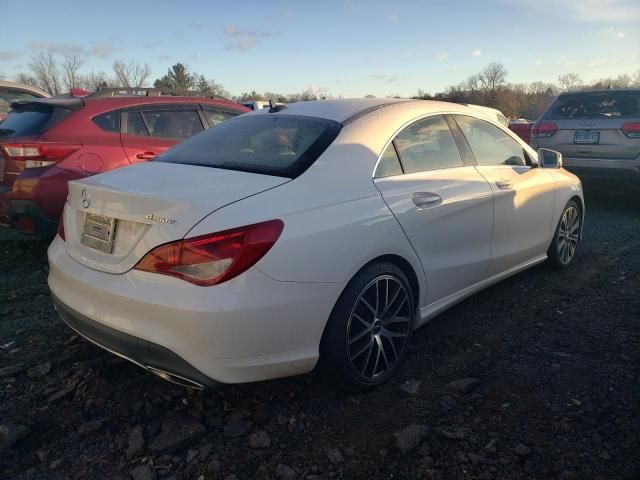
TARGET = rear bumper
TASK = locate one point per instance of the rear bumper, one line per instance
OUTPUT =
(611, 168)
(26, 217)
(247, 329)
(145, 354)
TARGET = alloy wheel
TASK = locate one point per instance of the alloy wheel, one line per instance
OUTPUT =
(568, 234)
(379, 327)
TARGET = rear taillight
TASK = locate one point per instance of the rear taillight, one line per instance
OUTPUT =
(543, 130)
(215, 258)
(36, 155)
(631, 129)
(61, 227)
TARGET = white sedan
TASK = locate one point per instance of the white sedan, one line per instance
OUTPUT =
(319, 231)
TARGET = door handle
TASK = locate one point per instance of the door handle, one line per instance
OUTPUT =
(146, 155)
(504, 184)
(426, 199)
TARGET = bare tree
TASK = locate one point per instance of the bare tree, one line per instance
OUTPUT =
(92, 81)
(132, 74)
(492, 77)
(26, 79)
(71, 71)
(636, 79)
(569, 81)
(46, 73)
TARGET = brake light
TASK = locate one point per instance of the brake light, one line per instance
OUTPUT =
(631, 129)
(544, 130)
(61, 227)
(36, 155)
(215, 258)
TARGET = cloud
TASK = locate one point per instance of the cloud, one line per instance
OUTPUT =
(584, 10)
(442, 56)
(394, 17)
(100, 50)
(476, 53)
(372, 60)
(612, 32)
(539, 61)
(244, 39)
(7, 55)
(379, 76)
(392, 79)
(598, 62)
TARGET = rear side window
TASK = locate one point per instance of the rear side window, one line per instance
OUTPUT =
(595, 105)
(490, 145)
(214, 117)
(428, 145)
(279, 145)
(389, 164)
(109, 121)
(172, 124)
(31, 120)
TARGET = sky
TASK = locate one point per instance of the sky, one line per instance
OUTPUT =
(345, 48)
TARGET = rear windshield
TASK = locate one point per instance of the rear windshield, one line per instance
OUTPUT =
(271, 144)
(32, 119)
(595, 105)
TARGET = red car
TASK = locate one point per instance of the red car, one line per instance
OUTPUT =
(522, 128)
(44, 143)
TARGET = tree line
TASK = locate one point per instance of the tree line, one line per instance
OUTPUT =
(488, 87)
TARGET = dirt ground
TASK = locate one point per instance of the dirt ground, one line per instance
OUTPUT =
(555, 355)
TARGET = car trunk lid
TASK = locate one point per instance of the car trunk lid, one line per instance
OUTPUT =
(112, 220)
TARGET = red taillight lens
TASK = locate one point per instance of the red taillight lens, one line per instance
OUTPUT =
(631, 129)
(544, 130)
(215, 258)
(38, 154)
(61, 227)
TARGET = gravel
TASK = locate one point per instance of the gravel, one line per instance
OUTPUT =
(536, 377)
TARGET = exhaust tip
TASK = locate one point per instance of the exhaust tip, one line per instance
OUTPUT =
(174, 378)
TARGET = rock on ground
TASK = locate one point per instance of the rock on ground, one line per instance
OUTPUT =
(410, 437)
(176, 433)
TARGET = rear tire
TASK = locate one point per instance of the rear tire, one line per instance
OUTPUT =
(370, 328)
(567, 236)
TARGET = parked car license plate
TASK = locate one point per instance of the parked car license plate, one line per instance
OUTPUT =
(98, 232)
(586, 137)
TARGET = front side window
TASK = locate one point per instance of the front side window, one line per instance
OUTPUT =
(173, 124)
(280, 145)
(490, 145)
(428, 145)
(135, 125)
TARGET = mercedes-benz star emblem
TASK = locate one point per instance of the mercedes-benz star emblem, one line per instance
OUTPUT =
(86, 199)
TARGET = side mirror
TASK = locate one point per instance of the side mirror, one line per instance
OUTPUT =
(549, 158)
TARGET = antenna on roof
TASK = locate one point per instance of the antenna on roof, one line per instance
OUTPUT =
(272, 104)
(274, 108)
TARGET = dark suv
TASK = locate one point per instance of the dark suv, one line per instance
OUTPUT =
(44, 143)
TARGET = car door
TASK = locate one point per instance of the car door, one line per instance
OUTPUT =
(523, 196)
(150, 130)
(442, 203)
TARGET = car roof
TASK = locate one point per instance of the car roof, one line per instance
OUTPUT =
(24, 88)
(133, 100)
(602, 90)
(347, 110)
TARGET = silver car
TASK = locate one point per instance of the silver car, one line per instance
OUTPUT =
(597, 132)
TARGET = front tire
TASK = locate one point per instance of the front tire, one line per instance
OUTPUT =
(370, 328)
(565, 240)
